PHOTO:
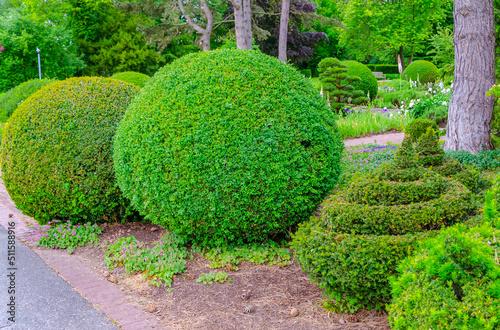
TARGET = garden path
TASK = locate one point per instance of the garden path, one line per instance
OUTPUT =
(380, 139)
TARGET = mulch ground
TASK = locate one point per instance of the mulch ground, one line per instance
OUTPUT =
(274, 292)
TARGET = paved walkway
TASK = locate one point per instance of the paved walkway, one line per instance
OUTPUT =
(75, 299)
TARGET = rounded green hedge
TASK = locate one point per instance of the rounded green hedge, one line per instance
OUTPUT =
(134, 78)
(11, 100)
(227, 146)
(368, 83)
(452, 282)
(423, 71)
(56, 151)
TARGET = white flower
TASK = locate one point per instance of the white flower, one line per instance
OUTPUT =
(445, 103)
(430, 89)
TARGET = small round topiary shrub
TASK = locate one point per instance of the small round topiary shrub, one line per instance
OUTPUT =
(452, 282)
(134, 78)
(368, 83)
(418, 127)
(56, 151)
(423, 71)
(227, 146)
(11, 100)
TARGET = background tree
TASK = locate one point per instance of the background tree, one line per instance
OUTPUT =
(336, 83)
(285, 12)
(20, 37)
(396, 25)
(470, 109)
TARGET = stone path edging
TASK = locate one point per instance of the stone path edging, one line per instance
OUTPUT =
(105, 296)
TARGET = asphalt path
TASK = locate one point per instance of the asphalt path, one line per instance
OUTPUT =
(43, 300)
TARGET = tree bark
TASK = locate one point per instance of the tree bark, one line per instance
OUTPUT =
(282, 46)
(205, 32)
(238, 24)
(470, 111)
(247, 23)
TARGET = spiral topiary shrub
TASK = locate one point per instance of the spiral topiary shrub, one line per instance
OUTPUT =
(11, 100)
(56, 151)
(227, 146)
(134, 78)
(423, 71)
(368, 83)
(353, 247)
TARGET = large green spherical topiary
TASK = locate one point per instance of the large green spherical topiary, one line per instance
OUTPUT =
(56, 150)
(134, 78)
(423, 71)
(368, 83)
(227, 146)
(11, 100)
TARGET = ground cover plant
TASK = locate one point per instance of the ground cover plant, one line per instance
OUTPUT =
(212, 277)
(56, 151)
(353, 246)
(65, 235)
(227, 147)
(159, 262)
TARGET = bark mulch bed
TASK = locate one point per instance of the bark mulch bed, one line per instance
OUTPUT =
(274, 292)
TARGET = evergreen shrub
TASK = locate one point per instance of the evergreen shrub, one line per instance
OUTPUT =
(387, 68)
(134, 78)
(451, 282)
(226, 147)
(368, 83)
(11, 100)
(418, 127)
(56, 151)
(423, 71)
(353, 246)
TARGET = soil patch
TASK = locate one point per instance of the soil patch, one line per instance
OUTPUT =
(260, 297)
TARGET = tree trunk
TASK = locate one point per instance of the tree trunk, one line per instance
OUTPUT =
(239, 27)
(285, 12)
(402, 56)
(205, 32)
(470, 111)
(247, 23)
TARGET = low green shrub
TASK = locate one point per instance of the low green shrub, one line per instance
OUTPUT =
(368, 83)
(387, 68)
(395, 85)
(439, 114)
(306, 72)
(452, 282)
(483, 160)
(422, 71)
(227, 147)
(15, 96)
(403, 96)
(418, 127)
(134, 78)
(210, 278)
(159, 263)
(56, 151)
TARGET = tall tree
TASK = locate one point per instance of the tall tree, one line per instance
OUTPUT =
(205, 32)
(285, 13)
(470, 109)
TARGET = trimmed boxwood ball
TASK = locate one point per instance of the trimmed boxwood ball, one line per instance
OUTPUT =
(226, 147)
(56, 151)
(368, 83)
(11, 100)
(423, 71)
(134, 78)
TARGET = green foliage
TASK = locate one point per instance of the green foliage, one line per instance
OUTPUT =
(386, 68)
(230, 257)
(306, 72)
(210, 278)
(418, 127)
(395, 85)
(159, 262)
(483, 160)
(21, 37)
(452, 282)
(56, 151)
(438, 114)
(134, 78)
(227, 146)
(357, 123)
(428, 150)
(442, 47)
(422, 71)
(368, 82)
(66, 235)
(11, 100)
(336, 83)
(399, 96)
(110, 41)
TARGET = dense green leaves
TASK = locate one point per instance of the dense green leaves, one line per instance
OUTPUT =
(56, 151)
(368, 82)
(134, 78)
(227, 146)
(422, 71)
